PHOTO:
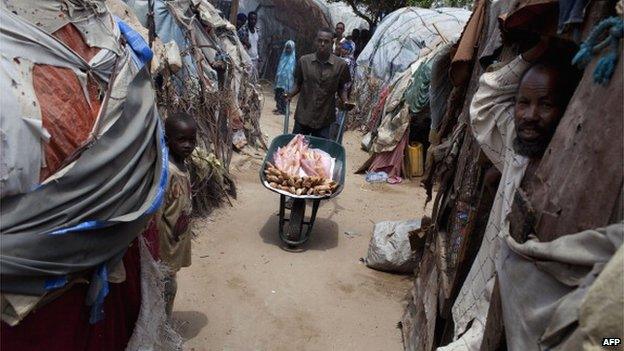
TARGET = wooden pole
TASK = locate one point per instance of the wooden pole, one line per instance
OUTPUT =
(234, 11)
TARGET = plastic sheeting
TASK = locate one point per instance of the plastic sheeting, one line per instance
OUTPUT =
(110, 188)
(340, 12)
(406, 35)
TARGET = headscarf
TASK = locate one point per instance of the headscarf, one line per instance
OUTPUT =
(241, 17)
(349, 46)
(285, 78)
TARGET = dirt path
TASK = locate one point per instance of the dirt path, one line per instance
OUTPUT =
(243, 292)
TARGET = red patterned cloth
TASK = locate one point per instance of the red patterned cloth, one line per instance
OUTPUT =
(63, 324)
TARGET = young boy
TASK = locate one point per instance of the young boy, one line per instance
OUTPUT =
(173, 219)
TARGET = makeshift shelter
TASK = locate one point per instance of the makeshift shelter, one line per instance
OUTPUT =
(389, 136)
(212, 80)
(84, 167)
(283, 20)
(406, 35)
(402, 38)
(467, 296)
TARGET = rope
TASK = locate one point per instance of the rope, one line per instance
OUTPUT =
(605, 68)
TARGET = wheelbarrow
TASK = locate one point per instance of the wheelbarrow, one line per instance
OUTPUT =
(294, 228)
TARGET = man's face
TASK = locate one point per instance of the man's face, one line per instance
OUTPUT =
(340, 29)
(538, 111)
(253, 20)
(182, 139)
(324, 43)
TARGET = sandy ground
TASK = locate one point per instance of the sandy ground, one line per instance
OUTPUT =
(244, 292)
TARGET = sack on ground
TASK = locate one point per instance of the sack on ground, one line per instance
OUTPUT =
(389, 249)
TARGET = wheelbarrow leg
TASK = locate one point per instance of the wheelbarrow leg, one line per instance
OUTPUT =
(315, 207)
(282, 213)
(295, 222)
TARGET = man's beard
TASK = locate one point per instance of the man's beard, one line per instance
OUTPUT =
(531, 149)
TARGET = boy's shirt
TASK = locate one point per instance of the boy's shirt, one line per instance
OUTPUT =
(174, 220)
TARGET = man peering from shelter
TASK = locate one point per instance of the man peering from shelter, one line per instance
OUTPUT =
(249, 35)
(319, 77)
(514, 115)
(339, 37)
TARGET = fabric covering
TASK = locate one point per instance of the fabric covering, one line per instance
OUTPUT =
(491, 117)
(285, 77)
(406, 35)
(417, 94)
(28, 76)
(63, 324)
(556, 278)
(408, 96)
(441, 87)
(109, 190)
(571, 12)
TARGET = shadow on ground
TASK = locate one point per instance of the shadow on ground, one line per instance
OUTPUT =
(324, 234)
(189, 323)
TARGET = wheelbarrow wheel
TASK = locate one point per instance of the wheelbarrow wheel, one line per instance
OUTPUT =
(295, 223)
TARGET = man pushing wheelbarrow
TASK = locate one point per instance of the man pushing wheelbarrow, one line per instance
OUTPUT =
(308, 165)
(319, 77)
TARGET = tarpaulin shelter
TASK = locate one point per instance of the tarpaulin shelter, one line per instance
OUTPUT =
(406, 35)
(406, 106)
(83, 169)
(401, 39)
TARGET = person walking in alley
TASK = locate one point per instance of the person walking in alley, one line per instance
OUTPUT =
(338, 37)
(249, 35)
(347, 52)
(319, 77)
(173, 219)
(285, 79)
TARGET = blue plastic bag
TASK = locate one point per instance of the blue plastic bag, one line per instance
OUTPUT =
(137, 43)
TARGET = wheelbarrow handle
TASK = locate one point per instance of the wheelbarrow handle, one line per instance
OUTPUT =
(287, 117)
(342, 116)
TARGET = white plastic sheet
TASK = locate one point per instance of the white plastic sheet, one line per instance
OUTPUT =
(406, 35)
(340, 12)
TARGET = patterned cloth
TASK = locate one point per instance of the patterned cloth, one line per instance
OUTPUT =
(174, 220)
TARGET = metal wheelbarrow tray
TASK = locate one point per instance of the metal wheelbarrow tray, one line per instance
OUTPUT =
(295, 230)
